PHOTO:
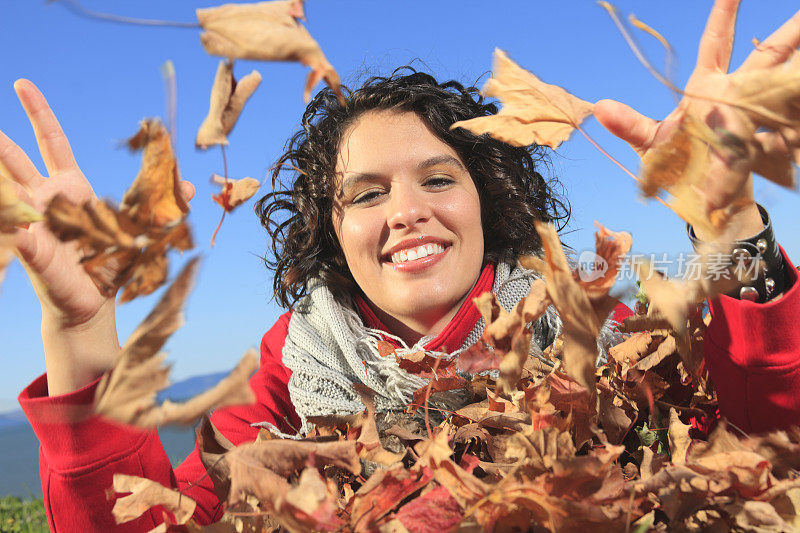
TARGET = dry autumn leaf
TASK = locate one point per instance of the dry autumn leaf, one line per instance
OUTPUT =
(145, 494)
(611, 247)
(127, 393)
(579, 313)
(266, 31)
(228, 98)
(127, 247)
(154, 198)
(533, 111)
(234, 192)
(117, 250)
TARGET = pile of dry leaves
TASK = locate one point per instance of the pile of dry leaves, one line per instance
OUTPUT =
(548, 443)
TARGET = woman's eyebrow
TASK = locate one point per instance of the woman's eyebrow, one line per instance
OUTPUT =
(443, 159)
(357, 178)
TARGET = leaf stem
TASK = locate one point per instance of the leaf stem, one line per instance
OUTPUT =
(224, 188)
(615, 161)
(78, 9)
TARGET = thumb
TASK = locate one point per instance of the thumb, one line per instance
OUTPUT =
(626, 123)
(187, 190)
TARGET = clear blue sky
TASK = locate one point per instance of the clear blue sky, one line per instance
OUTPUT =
(102, 78)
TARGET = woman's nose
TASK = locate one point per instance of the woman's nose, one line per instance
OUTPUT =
(406, 208)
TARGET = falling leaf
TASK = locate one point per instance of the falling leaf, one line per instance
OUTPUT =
(13, 211)
(266, 31)
(127, 393)
(611, 247)
(154, 198)
(127, 247)
(228, 98)
(130, 399)
(146, 494)
(234, 192)
(118, 252)
(533, 111)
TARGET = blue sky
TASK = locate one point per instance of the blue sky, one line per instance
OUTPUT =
(102, 78)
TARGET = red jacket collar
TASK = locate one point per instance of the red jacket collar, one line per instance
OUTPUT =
(455, 332)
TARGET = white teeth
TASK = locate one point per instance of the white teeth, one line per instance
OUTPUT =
(417, 253)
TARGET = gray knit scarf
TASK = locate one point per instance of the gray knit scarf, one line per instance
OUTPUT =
(328, 349)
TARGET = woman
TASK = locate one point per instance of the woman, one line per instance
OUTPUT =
(394, 224)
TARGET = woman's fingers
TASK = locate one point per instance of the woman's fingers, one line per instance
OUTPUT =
(187, 190)
(776, 48)
(16, 164)
(627, 124)
(716, 43)
(53, 144)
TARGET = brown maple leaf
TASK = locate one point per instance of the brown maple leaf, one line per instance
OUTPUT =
(145, 494)
(533, 111)
(266, 31)
(228, 98)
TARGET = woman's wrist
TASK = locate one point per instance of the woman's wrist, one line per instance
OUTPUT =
(754, 258)
(76, 355)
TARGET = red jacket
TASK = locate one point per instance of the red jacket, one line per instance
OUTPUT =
(752, 351)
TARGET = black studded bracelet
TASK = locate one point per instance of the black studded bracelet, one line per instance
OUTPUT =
(758, 256)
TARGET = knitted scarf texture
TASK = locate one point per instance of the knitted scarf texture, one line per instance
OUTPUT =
(328, 349)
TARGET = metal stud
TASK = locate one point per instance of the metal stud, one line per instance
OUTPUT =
(748, 293)
(770, 284)
(741, 257)
(761, 244)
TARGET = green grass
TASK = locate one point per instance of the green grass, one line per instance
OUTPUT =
(23, 516)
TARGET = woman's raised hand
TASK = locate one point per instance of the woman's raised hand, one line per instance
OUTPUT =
(728, 184)
(78, 323)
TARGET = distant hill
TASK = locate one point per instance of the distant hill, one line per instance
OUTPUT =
(179, 391)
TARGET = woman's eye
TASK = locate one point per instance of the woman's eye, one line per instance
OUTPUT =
(439, 181)
(366, 197)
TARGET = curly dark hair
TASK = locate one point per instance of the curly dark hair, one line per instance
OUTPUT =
(297, 214)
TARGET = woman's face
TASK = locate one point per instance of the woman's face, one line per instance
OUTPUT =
(408, 217)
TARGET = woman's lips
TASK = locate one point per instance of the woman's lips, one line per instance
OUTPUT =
(418, 265)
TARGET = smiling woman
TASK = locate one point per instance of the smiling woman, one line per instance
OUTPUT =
(385, 224)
